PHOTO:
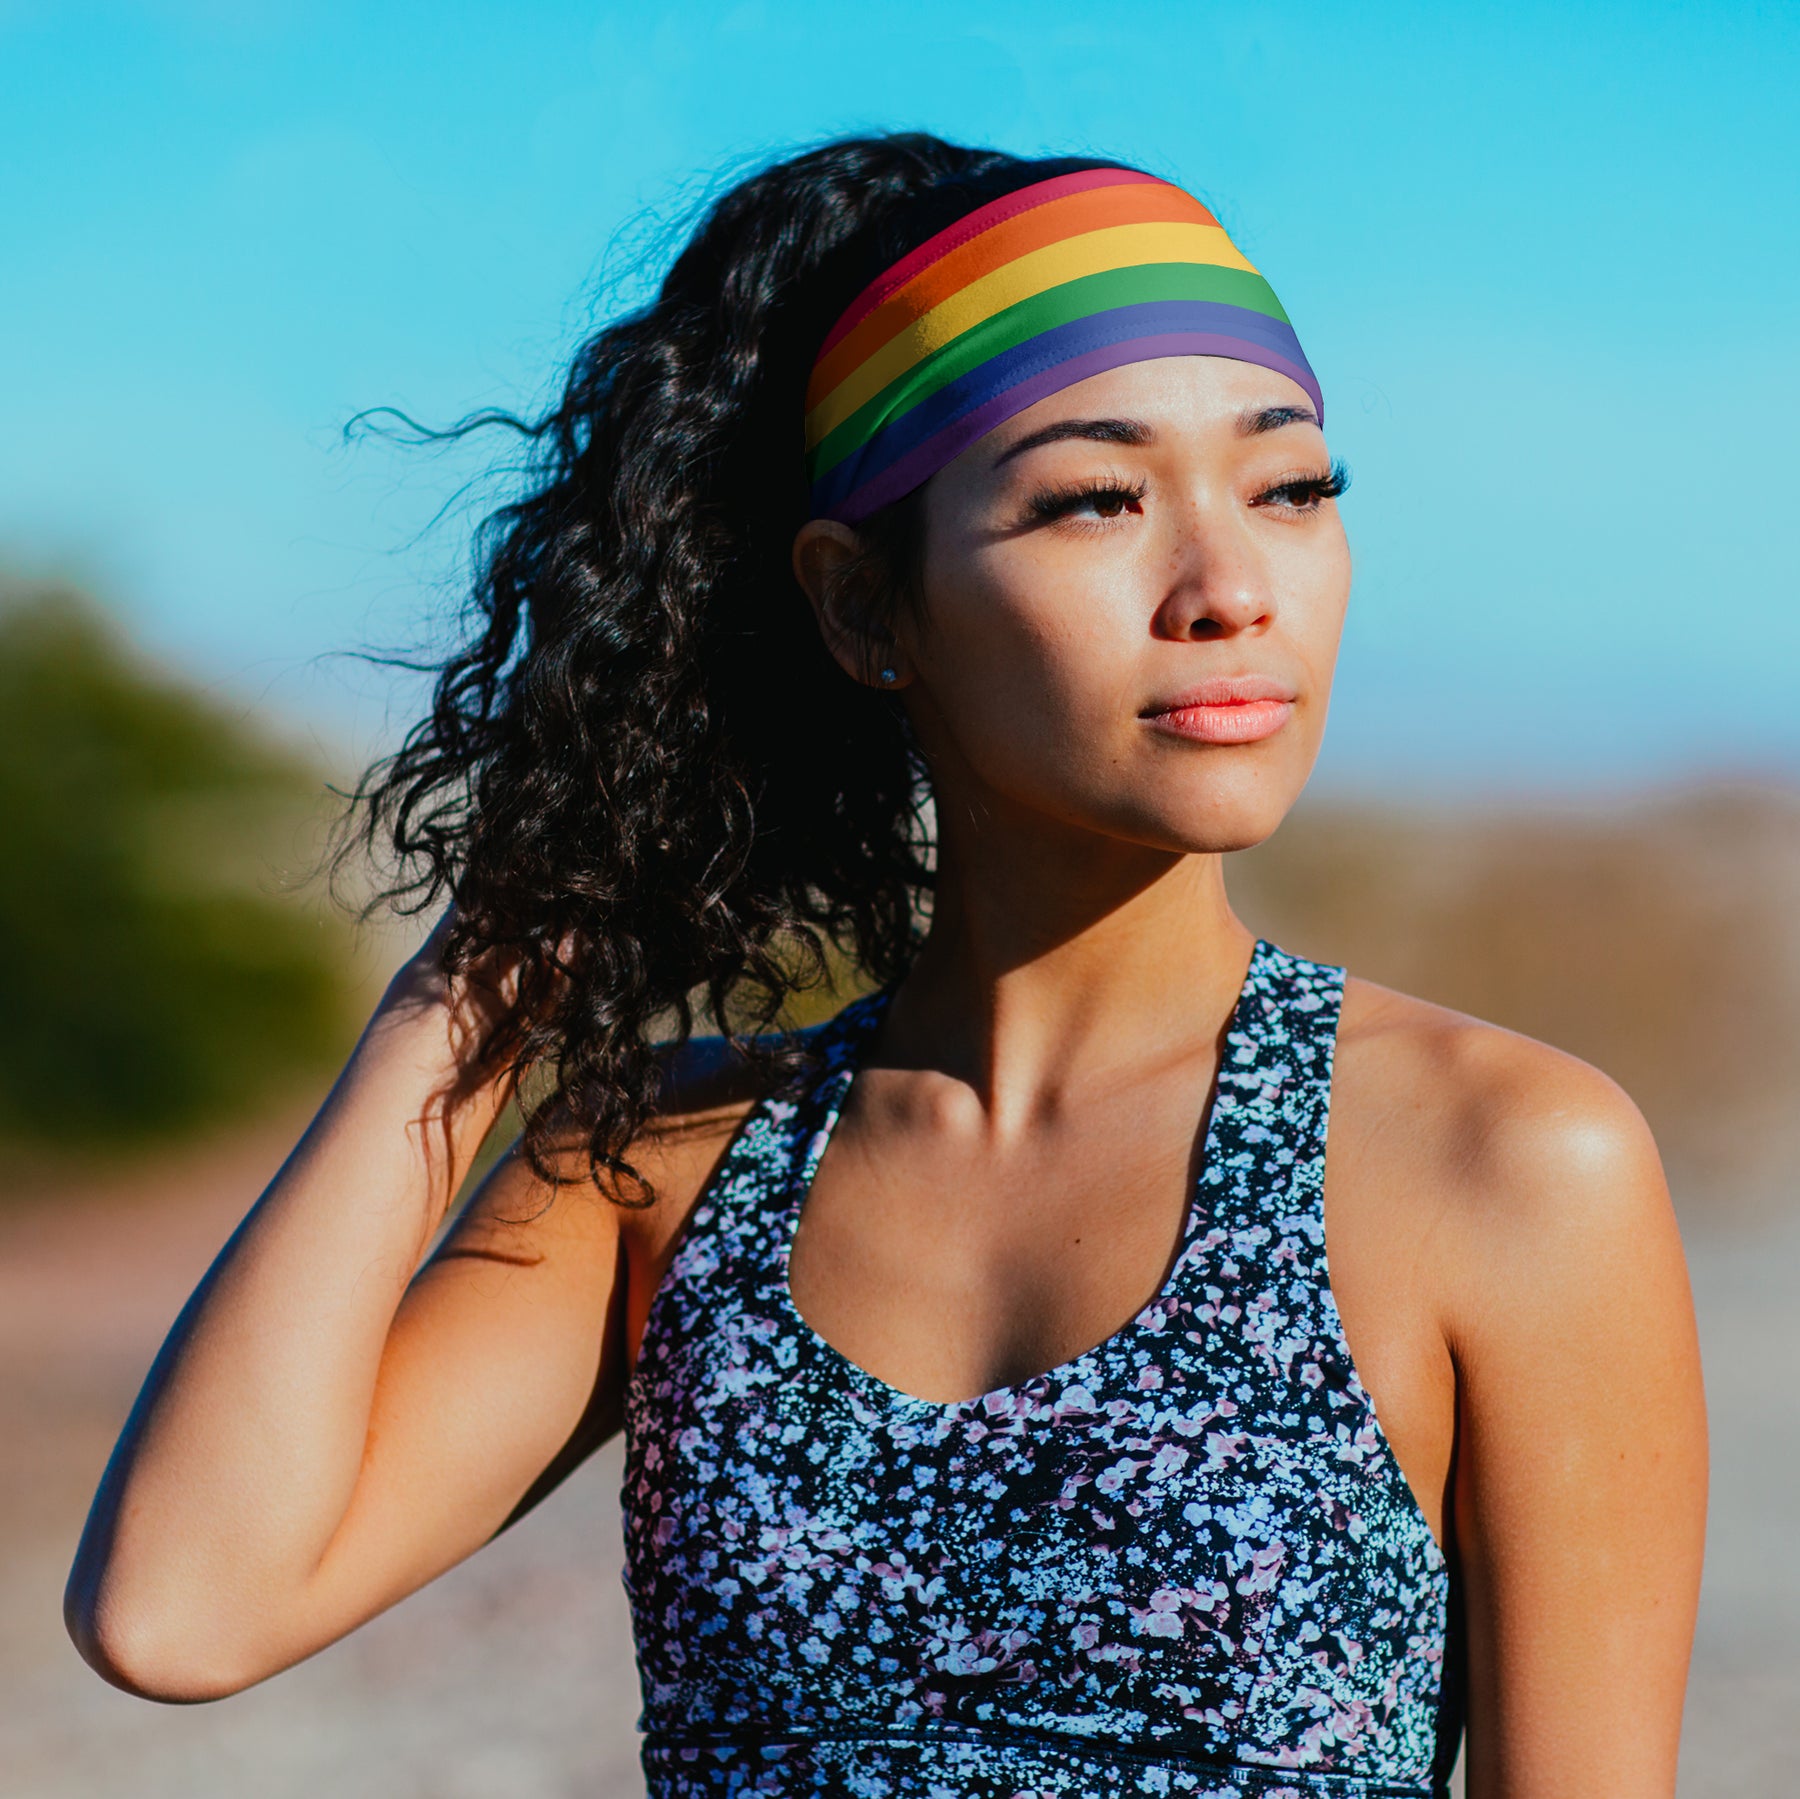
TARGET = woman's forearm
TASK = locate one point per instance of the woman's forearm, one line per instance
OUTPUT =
(242, 1451)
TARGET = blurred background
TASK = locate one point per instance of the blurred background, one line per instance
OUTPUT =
(1542, 259)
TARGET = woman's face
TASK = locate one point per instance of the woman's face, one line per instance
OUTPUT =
(1133, 594)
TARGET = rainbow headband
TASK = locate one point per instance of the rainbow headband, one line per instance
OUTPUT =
(1029, 293)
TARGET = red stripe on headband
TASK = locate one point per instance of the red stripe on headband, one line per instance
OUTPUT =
(1055, 221)
(994, 213)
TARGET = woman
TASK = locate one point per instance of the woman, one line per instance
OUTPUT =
(994, 1424)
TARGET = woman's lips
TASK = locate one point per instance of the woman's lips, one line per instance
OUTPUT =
(1230, 709)
(1244, 723)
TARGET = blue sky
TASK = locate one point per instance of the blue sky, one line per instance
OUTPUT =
(1544, 259)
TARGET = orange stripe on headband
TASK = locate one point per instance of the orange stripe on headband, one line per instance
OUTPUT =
(1069, 215)
(1058, 279)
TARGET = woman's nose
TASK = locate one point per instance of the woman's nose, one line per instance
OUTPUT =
(1217, 583)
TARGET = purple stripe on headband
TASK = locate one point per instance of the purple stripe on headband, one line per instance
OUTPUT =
(943, 446)
(1143, 318)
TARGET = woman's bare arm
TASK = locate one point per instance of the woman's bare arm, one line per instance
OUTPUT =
(1580, 1490)
(328, 1426)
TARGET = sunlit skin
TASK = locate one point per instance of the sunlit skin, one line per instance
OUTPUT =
(1010, 1175)
(1006, 1186)
(1074, 585)
(1032, 1110)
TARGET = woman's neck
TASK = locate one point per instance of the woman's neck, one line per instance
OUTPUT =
(1057, 959)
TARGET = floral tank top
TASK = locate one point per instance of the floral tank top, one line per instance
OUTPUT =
(1185, 1563)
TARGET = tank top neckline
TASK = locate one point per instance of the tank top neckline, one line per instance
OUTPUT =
(1184, 1560)
(853, 1031)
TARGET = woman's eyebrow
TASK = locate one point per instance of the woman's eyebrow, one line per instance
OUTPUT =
(1106, 431)
(1251, 422)
(1254, 420)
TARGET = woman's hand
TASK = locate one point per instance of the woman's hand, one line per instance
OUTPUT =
(469, 1004)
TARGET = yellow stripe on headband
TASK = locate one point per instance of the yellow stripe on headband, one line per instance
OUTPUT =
(1091, 253)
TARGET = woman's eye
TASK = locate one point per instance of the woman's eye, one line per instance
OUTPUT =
(1105, 501)
(1304, 493)
(1109, 503)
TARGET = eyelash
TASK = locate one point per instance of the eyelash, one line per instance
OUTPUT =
(1052, 503)
(1316, 488)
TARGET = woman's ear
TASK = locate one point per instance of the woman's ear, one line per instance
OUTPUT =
(831, 564)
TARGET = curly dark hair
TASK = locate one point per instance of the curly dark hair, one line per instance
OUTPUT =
(643, 773)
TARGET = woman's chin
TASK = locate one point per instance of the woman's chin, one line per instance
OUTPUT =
(1229, 815)
(1214, 830)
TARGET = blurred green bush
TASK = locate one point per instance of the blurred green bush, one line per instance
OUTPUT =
(154, 976)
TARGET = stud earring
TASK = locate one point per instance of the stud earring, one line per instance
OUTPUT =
(888, 677)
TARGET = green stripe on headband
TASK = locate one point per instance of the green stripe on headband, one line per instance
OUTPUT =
(1005, 330)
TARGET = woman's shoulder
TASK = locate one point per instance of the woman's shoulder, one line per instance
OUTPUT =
(710, 1081)
(710, 1087)
(1519, 1158)
(703, 1076)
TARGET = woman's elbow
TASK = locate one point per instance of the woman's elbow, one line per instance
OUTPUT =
(159, 1656)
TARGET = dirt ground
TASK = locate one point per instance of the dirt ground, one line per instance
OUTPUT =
(511, 1677)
